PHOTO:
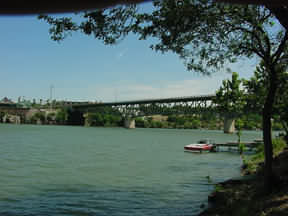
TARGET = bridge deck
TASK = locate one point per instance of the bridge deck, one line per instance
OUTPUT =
(148, 101)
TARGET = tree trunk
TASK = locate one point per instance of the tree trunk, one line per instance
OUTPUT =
(267, 114)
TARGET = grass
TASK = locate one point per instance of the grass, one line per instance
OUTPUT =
(253, 164)
(246, 197)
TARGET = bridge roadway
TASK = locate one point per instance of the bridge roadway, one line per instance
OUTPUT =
(199, 98)
(177, 105)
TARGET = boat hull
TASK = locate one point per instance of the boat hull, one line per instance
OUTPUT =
(198, 148)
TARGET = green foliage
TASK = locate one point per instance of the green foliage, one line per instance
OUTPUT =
(278, 145)
(205, 34)
(51, 117)
(218, 188)
(277, 126)
(239, 126)
(253, 163)
(38, 116)
(180, 122)
(256, 90)
(104, 117)
(282, 100)
(252, 121)
(230, 98)
(206, 121)
(2, 114)
(61, 116)
(139, 122)
(241, 148)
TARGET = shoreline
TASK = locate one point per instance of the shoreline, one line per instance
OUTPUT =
(246, 196)
(115, 126)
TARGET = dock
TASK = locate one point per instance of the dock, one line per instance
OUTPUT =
(208, 145)
(249, 146)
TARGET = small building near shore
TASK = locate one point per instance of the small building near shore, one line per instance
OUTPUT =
(5, 102)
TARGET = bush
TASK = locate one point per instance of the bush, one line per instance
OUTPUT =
(277, 126)
(2, 114)
(278, 145)
(139, 122)
(252, 164)
(38, 116)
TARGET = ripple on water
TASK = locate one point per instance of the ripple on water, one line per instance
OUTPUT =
(101, 202)
(64, 171)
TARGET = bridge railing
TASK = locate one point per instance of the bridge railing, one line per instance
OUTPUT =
(147, 101)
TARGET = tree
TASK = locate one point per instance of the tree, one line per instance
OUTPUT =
(230, 97)
(2, 114)
(38, 117)
(256, 90)
(239, 126)
(230, 100)
(279, 8)
(205, 34)
(282, 103)
(61, 116)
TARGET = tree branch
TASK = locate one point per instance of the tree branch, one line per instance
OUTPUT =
(280, 13)
(280, 49)
(266, 39)
(253, 50)
(257, 38)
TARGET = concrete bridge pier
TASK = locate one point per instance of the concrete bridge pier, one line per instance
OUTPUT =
(129, 123)
(87, 123)
(229, 125)
(15, 119)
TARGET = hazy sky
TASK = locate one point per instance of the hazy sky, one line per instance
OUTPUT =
(81, 68)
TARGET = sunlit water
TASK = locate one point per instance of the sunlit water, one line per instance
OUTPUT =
(56, 170)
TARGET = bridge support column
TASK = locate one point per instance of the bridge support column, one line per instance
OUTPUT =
(15, 119)
(87, 122)
(129, 123)
(229, 125)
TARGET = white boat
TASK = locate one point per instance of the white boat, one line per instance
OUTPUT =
(204, 145)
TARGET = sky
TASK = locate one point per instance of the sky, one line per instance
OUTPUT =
(81, 68)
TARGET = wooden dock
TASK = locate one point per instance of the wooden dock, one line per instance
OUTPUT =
(250, 146)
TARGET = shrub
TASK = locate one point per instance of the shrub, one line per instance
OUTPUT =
(252, 164)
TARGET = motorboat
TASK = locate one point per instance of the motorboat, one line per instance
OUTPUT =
(204, 145)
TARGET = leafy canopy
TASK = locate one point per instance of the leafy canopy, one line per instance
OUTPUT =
(230, 97)
(205, 34)
(257, 87)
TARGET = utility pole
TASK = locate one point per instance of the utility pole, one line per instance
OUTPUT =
(51, 88)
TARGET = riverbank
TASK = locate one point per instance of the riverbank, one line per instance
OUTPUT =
(247, 197)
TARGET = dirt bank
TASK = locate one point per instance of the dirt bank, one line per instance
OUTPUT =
(246, 197)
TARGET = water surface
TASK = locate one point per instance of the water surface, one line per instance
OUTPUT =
(62, 170)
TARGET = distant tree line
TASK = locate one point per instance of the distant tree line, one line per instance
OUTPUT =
(104, 117)
(244, 99)
(111, 117)
(62, 116)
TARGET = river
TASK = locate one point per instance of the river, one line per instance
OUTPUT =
(79, 171)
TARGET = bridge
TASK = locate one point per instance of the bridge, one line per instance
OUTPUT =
(177, 105)
(12, 113)
(188, 105)
(163, 106)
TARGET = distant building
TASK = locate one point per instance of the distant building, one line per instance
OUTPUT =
(5, 100)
